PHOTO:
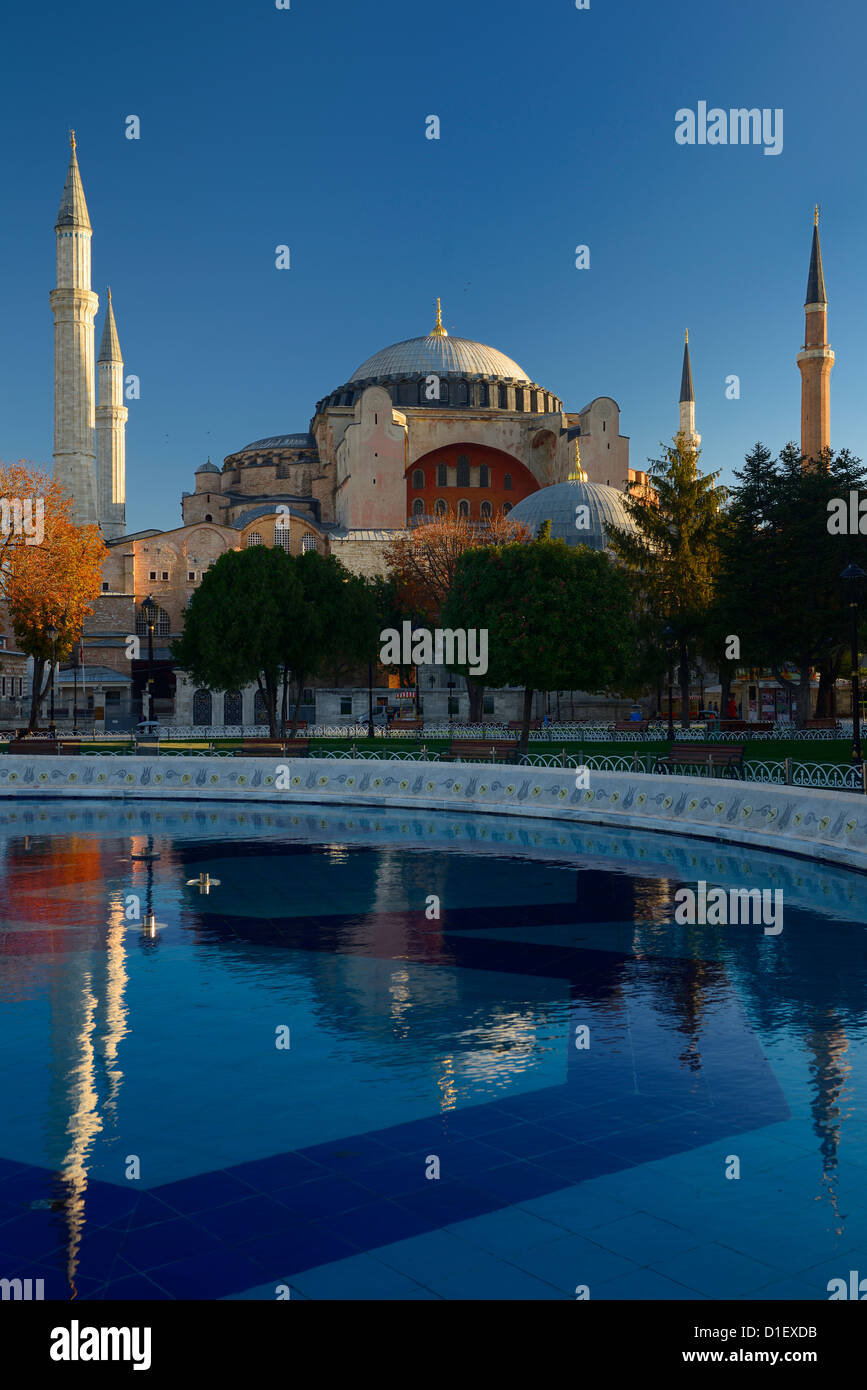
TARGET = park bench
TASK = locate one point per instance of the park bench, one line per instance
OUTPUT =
(712, 756)
(518, 724)
(415, 725)
(273, 748)
(625, 726)
(743, 726)
(481, 750)
(55, 746)
(822, 724)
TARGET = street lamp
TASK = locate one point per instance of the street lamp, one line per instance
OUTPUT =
(51, 634)
(669, 636)
(75, 686)
(149, 611)
(853, 583)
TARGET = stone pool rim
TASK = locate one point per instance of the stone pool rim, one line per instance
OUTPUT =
(813, 823)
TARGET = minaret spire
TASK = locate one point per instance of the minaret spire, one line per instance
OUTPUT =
(815, 359)
(687, 401)
(74, 307)
(111, 417)
(438, 331)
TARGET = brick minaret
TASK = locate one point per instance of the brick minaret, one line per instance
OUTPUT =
(815, 361)
(74, 306)
(111, 416)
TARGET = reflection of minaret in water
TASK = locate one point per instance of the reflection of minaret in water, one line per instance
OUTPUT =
(77, 1050)
(827, 1042)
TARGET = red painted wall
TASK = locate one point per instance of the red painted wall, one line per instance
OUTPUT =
(498, 464)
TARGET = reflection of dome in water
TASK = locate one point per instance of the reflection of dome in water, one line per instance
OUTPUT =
(559, 504)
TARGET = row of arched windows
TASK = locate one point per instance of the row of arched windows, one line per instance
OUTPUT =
(462, 479)
(281, 538)
(441, 508)
(233, 708)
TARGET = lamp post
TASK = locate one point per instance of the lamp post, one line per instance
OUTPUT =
(371, 733)
(51, 634)
(149, 610)
(75, 686)
(853, 582)
(670, 638)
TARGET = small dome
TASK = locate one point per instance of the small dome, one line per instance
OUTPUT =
(208, 468)
(280, 441)
(559, 505)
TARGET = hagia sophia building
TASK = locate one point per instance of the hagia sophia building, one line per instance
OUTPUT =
(433, 424)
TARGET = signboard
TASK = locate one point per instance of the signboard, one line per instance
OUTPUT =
(404, 694)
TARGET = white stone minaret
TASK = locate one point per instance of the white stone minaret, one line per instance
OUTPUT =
(74, 306)
(111, 416)
(687, 401)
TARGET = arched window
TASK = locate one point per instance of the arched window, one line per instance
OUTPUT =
(519, 398)
(162, 627)
(483, 393)
(418, 507)
(254, 538)
(440, 507)
(202, 708)
(281, 537)
(484, 476)
(309, 542)
(463, 479)
(507, 507)
(442, 475)
(485, 511)
(533, 400)
(232, 707)
(504, 397)
(507, 483)
(260, 709)
(461, 393)
(418, 478)
(464, 508)
(407, 393)
(208, 516)
(444, 391)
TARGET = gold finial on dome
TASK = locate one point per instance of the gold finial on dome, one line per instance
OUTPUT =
(578, 475)
(438, 331)
(72, 138)
(686, 338)
(816, 216)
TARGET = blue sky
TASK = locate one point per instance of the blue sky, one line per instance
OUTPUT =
(306, 127)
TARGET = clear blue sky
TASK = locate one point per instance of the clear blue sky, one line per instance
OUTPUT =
(307, 127)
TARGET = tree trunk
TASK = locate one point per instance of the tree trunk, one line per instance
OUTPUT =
(476, 693)
(37, 693)
(268, 692)
(684, 687)
(525, 726)
(804, 705)
(300, 691)
(725, 694)
(284, 702)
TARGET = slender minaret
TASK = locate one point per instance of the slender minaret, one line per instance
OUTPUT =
(815, 360)
(111, 416)
(74, 306)
(687, 401)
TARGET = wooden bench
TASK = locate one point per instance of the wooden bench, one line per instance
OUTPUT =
(416, 725)
(625, 726)
(518, 724)
(821, 723)
(481, 750)
(273, 748)
(743, 726)
(57, 747)
(728, 756)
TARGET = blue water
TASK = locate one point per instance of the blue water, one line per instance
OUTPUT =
(157, 1143)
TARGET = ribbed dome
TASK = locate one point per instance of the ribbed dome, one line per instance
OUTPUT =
(559, 504)
(442, 355)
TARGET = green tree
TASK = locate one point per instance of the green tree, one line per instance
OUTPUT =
(672, 556)
(781, 560)
(235, 627)
(557, 616)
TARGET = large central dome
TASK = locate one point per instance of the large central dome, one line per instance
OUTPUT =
(440, 354)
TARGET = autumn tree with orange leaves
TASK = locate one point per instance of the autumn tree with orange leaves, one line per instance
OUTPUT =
(50, 571)
(423, 561)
